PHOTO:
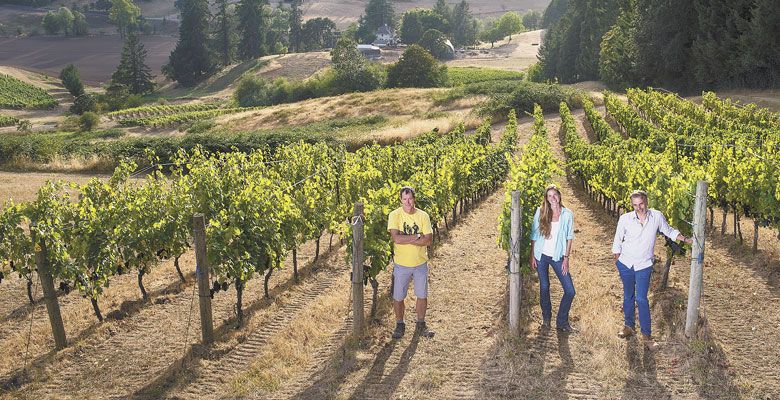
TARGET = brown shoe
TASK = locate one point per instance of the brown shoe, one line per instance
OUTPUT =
(626, 332)
(648, 341)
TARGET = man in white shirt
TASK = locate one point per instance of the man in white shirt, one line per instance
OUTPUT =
(633, 250)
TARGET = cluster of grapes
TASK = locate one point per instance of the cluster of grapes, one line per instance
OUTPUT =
(217, 287)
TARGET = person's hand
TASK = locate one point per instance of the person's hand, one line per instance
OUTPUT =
(533, 263)
(616, 255)
(565, 266)
(689, 240)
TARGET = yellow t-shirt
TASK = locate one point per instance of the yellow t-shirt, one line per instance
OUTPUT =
(410, 255)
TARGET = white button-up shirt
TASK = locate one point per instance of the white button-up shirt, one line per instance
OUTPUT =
(634, 241)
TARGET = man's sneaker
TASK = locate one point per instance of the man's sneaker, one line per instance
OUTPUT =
(422, 329)
(400, 327)
(626, 332)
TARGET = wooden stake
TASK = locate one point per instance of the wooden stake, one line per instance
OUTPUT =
(202, 274)
(357, 271)
(514, 265)
(697, 259)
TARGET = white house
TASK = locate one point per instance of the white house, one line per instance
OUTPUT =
(385, 36)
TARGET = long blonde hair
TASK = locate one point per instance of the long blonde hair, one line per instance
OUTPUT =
(546, 213)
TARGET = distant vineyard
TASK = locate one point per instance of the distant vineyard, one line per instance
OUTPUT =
(158, 111)
(18, 95)
(8, 121)
(181, 118)
(459, 76)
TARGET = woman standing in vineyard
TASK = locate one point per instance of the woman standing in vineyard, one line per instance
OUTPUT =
(551, 238)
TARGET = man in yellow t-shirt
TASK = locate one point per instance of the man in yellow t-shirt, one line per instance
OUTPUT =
(410, 229)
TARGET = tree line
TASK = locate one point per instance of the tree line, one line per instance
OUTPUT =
(682, 45)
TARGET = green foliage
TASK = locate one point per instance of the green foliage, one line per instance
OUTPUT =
(464, 25)
(17, 94)
(492, 35)
(435, 42)
(553, 13)
(132, 71)
(295, 24)
(64, 21)
(123, 14)
(251, 26)
(6, 120)
(377, 14)
(618, 57)
(72, 80)
(532, 20)
(85, 102)
(318, 33)
(534, 73)
(417, 21)
(570, 51)
(353, 72)
(459, 76)
(192, 61)
(416, 68)
(526, 95)
(510, 23)
(225, 35)
(89, 121)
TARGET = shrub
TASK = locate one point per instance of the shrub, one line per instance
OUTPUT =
(71, 80)
(85, 102)
(416, 68)
(525, 94)
(88, 121)
(534, 73)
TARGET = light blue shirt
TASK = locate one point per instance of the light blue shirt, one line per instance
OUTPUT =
(565, 233)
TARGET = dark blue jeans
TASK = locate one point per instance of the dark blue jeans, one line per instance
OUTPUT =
(635, 287)
(562, 320)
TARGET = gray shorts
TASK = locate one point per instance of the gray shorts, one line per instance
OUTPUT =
(403, 275)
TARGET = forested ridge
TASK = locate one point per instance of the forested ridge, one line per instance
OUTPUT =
(684, 45)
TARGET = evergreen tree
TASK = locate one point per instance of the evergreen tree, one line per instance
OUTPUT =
(191, 61)
(132, 70)
(80, 27)
(377, 13)
(464, 26)
(596, 17)
(443, 10)
(554, 12)
(71, 79)
(225, 37)
(276, 37)
(617, 59)
(296, 22)
(664, 35)
(318, 33)
(251, 25)
(716, 48)
(411, 28)
(761, 45)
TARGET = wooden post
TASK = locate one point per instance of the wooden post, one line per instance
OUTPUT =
(697, 259)
(202, 274)
(357, 271)
(514, 265)
(49, 294)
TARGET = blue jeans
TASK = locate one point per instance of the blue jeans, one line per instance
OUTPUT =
(562, 320)
(635, 287)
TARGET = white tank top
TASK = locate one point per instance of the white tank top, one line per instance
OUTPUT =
(550, 242)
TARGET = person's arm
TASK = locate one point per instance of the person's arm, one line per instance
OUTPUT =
(532, 259)
(671, 233)
(617, 242)
(566, 257)
(424, 240)
(398, 238)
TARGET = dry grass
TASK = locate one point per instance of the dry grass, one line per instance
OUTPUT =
(293, 348)
(23, 186)
(390, 102)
